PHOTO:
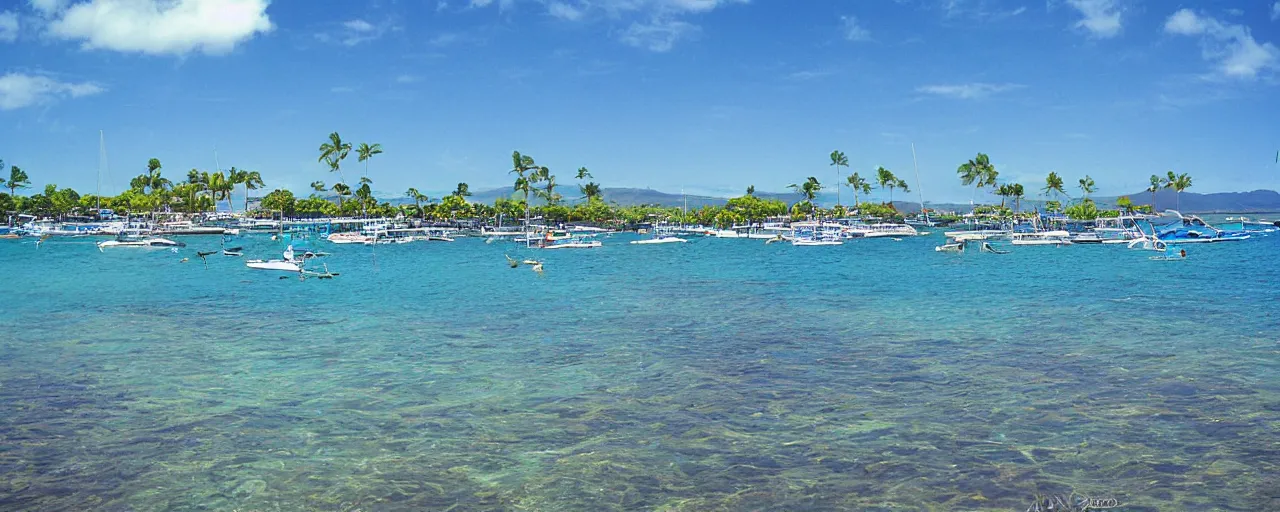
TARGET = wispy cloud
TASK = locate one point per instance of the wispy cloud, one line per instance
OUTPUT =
(355, 31)
(852, 30)
(565, 11)
(8, 26)
(407, 79)
(655, 25)
(968, 91)
(18, 90)
(1231, 47)
(1102, 19)
(1275, 11)
(659, 35)
(978, 10)
(806, 75)
(342, 89)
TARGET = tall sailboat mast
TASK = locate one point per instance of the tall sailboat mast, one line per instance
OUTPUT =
(102, 161)
(919, 189)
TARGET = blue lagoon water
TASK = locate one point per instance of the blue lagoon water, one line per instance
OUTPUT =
(714, 375)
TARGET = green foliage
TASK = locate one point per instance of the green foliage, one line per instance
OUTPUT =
(1053, 206)
(1124, 203)
(881, 211)
(755, 209)
(281, 200)
(996, 211)
(1084, 210)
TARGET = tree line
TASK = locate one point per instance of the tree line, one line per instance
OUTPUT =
(536, 192)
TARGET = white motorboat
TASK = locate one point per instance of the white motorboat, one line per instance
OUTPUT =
(659, 240)
(951, 246)
(137, 240)
(290, 263)
(816, 241)
(1041, 238)
(889, 230)
(350, 238)
(280, 265)
(574, 244)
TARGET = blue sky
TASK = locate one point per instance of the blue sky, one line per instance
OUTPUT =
(705, 95)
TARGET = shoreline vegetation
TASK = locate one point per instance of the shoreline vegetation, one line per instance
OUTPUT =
(536, 193)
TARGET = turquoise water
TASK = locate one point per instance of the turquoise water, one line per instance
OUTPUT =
(715, 375)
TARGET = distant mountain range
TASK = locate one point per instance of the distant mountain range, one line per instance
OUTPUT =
(1190, 202)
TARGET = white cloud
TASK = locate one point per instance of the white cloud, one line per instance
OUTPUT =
(1102, 18)
(407, 79)
(1275, 11)
(19, 90)
(342, 89)
(659, 35)
(967, 91)
(564, 11)
(160, 27)
(354, 32)
(8, 26)
(653, 24)
(1232, 47)
(852, 30)
(358, 26)
(47, 6)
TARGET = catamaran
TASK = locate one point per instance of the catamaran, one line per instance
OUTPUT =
(138, 238)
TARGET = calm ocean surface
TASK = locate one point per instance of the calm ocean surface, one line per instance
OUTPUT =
(716, 375)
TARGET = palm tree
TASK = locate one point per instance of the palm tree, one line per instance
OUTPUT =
(886, 179)
(1087, 186)
(751, 190)
(1156, 184)
(1053, 185)
(858, 184)
(221, 186)
(522, 164)
(17, 179)
(1003, 192)
(591, 191)
(333, 152)
(366, 152)
(838, 160)
(583, 174)
(418, 199)
(1178, 183)
(978, 172)
(463, 190)
(252, 180)
(1017, 192)
(318, 186)
(809, 189)
(342, 190)
(364, 193)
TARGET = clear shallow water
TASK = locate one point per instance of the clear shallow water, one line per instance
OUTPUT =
(720, 374)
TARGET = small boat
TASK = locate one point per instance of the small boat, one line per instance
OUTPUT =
(290, 263)
(661, 235)
(136, 239)
(350, 238)
(803, 242)
(659, 240)
(233, 251)
(574, 244)
(987, 247)
(1041, 238)
(280, 265)
(954, 245)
